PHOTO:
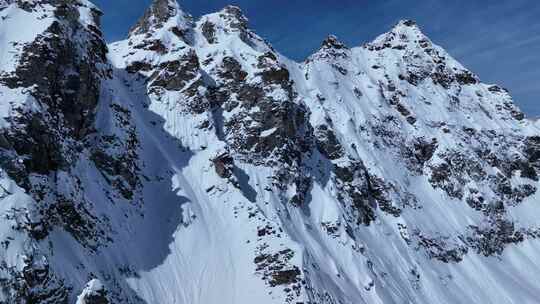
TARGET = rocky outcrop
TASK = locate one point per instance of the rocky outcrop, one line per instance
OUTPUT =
(93, 293)
(158, 14)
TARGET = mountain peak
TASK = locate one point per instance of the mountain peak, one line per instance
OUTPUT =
(159, 14)
(407, 27)
(331, 47)
(332, 42)
(233, 10)
(234, 16)
(406, 23)
(228, 21)
(405, 34)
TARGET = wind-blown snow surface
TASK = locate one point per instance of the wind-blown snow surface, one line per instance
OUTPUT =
(212, 169)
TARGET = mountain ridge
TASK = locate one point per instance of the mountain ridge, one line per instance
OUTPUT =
(193, 163)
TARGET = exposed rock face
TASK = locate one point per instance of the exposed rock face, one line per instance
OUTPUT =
(193, 163)
(63, 76)
(54, 91)
(158, 15)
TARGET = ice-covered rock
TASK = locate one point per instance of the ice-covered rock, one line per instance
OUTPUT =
(93, 293)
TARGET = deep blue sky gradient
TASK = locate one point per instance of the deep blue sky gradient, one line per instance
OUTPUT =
(497, 39)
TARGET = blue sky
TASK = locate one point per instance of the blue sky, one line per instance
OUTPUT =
(497, 39)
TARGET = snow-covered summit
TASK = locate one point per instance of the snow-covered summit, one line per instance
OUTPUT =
(406, 33)
(227, 27)
(162, 14)
(331, 49)
(333, 42)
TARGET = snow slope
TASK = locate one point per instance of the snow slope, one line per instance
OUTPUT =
(16, 33)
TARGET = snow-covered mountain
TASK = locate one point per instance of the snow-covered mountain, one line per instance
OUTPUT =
(192, 163)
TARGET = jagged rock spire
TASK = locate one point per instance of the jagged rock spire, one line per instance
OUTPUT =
(158, 14)
(229, 20)
(230, 17)
(235, 15)
(333, 42)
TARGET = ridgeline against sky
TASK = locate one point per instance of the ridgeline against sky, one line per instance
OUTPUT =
(499, 40)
